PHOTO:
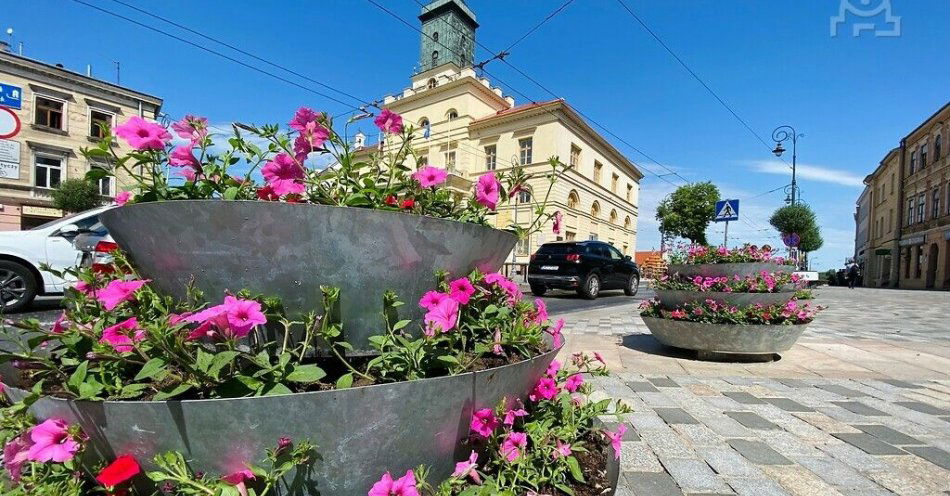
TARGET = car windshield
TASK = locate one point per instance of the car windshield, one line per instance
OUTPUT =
(54, 221)
(557, 249)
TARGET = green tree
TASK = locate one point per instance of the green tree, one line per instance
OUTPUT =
(687, 212)
(76, 195)
(797, 219)
(811, 240)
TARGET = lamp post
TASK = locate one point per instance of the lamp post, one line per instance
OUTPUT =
(784, 133)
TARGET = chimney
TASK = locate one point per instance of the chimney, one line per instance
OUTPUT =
(359, 141)
(88, 70)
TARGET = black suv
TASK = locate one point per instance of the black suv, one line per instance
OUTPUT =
(585, 266)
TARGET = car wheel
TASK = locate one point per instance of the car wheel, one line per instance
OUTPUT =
(633, 285)
(591, 287)
(17, 286)
(538, 289)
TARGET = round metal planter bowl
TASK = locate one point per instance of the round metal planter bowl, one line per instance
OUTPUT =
(726, 269)
(671, 299)
(290, 250)
(724, 338)
(360, 433)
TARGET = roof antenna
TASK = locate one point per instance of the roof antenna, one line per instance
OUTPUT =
(117, 71)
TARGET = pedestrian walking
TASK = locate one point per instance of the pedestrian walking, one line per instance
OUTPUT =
(852, 275)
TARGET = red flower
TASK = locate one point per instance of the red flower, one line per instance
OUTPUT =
(267, 193)
(122, 469)
(391, 200)
(407, 203)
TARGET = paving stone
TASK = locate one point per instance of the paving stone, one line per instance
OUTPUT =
(701, 390)
(641, 387)
(698, 435)
(841, 390)
(663, 382)
(920, 472)
(789, 444)
(743, 397)
(789, 405)
(727, 462)
(933, 455)
(758, 452)
(922, 407)
(646, 420)
(751, 420)
(888, 435)
(675, 416)
(756, 487)
(853, 456)
(654, 400)
(825, 423)
(794, 383)
(651, 483)
(799, 481)
(901, 384)
(869, 444)
(694, 476)
(835, 472)
(638, 457)
(666, 444)
(859, 408)
(725, 426)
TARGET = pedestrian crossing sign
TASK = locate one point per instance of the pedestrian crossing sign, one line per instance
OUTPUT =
(727, 210)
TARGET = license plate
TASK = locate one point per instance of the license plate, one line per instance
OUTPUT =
(549, 267)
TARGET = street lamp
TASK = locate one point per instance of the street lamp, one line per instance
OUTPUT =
(784, 133)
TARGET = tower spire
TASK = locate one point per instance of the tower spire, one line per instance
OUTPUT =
(448, 28)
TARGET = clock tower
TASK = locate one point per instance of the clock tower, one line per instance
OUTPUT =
(448, 28)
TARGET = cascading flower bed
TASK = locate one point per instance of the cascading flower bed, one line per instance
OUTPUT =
(764, 288)
(708, 261)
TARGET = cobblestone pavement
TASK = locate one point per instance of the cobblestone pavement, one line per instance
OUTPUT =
(860, 406)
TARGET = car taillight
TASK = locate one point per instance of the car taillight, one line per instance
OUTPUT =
(534, 256)
(574, 258)
(106, 246)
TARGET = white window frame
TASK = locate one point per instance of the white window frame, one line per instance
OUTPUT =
(451, 159)
(523, 157)
(47, 96)
(101, 111)
(63, 167)
(491, 157)
(110, 178)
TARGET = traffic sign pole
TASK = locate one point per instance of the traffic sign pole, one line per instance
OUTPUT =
(725, 242)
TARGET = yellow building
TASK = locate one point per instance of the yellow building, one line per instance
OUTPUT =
(49, 113)
(469, 127)
(884, 189)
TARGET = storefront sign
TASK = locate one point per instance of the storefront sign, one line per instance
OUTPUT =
(915, 240)
(9, 170)
(41, 211)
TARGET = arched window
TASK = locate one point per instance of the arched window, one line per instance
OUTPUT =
(435, 57)
(595, 210)
(937, 146)
(626, 222)
(524, 196)
(431, 84)
(452, 114)
(572, 199)
(435, 36)
(613, 216)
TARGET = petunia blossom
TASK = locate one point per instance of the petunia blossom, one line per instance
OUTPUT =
(616, 438)
(118, 291)
(142, 134)
(546, 389)
(191, 128)
(267, 193)
(52, 442)
(243, 315)
(123, 197)
(553, 369)
(122, 469)
(443, 317)
(461, 290)
(484, 422)
(123, 335)
(513, 414)
(468, 468)
(561, 449)
(388, 122)
(182, 156)
(284, 175)
(573, 382)
(512, 446)
(61, 324)
(238, 479)
(387, 486)
(429, 176)
(541, 316)
(555, 332)
(558, 222)
(432, 299)
(487, 190)
(15, 454)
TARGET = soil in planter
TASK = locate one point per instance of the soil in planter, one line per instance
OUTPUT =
(594, 465)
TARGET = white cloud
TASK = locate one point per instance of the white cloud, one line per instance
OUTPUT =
(813, 172)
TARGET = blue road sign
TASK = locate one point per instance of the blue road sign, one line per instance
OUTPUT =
(11, 96)
(727, 210)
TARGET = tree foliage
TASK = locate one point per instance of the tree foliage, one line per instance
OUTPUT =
(687, 211)
(801, 220)
(811, 240)
(76, 195)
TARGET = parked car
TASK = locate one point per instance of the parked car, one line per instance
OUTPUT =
(587, 267)
(95, 246)
(22, 253)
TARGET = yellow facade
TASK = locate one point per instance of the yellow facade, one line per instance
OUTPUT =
(473, 128)
(884, 187)
(57, 116)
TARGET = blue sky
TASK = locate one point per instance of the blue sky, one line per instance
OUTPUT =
(773, 62)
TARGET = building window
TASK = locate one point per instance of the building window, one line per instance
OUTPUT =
(491, 157)
(613, 216)
(923, 155)
(913, 161)
(892, 183)
(107, 183)
(525, 146)
(890, 219)
(450, 159)
(523, 246)
(423, 159)
(918, 255)
(613, 183)
(626, 222)
(435, 36)
(435, 58)
(98, 119)
(570, 235)
(524, 196)
(573, 200)
(595, 210)
(598, 171)
(937, 144)
(452, 115)
(910, 211)
(575, 156)
(47, 170)
(629, 192)
(432, 82)
(49, 112)
(592, 237)
(935, 207)
(921, 202)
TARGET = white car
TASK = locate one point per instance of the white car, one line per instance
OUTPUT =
(22, 252)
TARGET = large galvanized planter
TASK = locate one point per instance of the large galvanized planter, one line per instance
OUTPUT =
(675, 298)
(724, 338)
(360, 432)
(727, 269)
(290, 250)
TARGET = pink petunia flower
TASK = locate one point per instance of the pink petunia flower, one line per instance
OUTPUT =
(573, 382)
(510, 287)
(189, 174)
(561, 449)
(238, 479)
(484, 422)
(513, 414)
(311, 137)
(302, 117)
(243, 315)
(389, 122)
(84, 288)
(15, 454)
(123, 197)
(191, 128)
(599, 358)
(443, 317)
(546, 389)
(60, 325)
(487, 190)
(52, 442)
(142, 134)
(432, 299)
(678, 314)
(513, 444)
(386, 486)
(182, 156)
(496, 343)
(616, 438)
(553, 369)
(284, 175)
(542, 311)
(118, 291)
(558, 222)
(461, 290)
(555, 332)
(429, 176)
(467, 468)
(123, 335)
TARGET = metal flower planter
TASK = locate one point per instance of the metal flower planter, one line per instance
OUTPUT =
(724, 338)
(360, 432)
(290, 250)
(727, 269)
(671, 299)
